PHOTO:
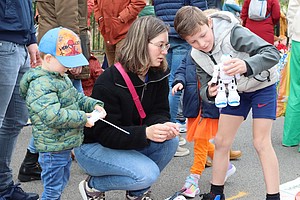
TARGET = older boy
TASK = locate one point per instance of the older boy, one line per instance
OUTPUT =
(253, 59)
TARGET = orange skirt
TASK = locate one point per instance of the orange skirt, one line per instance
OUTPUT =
(201, 128)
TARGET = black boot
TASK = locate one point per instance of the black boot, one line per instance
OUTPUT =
(30, 169)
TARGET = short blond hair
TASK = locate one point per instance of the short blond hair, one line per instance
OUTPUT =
(188, 20)
(210, 11)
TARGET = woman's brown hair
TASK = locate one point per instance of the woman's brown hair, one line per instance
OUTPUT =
(134, 53)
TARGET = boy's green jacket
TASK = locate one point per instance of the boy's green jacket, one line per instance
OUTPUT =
(57, 110)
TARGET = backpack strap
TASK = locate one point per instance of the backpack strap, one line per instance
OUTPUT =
(132, 90)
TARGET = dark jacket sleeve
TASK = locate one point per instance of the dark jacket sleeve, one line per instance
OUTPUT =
(180, 73)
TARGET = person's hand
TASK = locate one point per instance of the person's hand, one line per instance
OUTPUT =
(75, 71)
(159, 132)
(101, 110)
(234, 66)
(89, 123)
(34, 54)
(177, 87)
(212, 89)
(174, 130)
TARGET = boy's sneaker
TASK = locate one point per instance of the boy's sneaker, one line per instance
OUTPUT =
(15, 192)
(231, 170)
(88, 193)
(145, 196)
(210, 196)
(181, 152)
(191, 186)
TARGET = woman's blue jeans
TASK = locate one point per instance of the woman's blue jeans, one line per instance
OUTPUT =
(14, 62)
(130, 170)
(176, 53)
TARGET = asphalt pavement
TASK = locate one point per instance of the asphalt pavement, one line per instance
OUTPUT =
(246, 184)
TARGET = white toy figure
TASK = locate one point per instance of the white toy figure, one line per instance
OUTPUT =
(96, 115)
(224, 80)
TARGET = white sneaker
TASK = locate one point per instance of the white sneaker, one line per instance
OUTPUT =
(231, 170)
(181, 152)
(88, 193)
(182, 128)
(182, 141)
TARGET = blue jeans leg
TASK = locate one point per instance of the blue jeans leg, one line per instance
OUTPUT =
(131, 170)
(55, 173)
(14, 62)
(31, 146)
(77, 84)
(175, 55)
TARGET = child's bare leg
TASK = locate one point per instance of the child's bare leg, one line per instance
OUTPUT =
(227, 129)
(262, 142)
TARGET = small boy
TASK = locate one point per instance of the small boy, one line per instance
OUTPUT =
(58, 112)
(252, 58)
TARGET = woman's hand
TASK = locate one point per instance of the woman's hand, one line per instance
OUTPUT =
(177, 87)
(174, 130)
(75, 71)
(162, 132)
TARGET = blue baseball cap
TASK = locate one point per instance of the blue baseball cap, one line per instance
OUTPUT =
(64, 45)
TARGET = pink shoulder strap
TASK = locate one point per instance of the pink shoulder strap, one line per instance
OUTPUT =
(132, 90)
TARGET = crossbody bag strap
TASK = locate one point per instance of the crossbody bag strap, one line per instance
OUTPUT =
(132, 90)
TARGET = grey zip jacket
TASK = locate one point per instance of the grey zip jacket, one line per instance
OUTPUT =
(239, 42)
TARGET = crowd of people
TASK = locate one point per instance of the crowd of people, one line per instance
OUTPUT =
(158, 87)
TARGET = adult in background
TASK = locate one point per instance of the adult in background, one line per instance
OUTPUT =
(263, 28)
(114, 20)
(18, 50)
(291, 131)
(132, 161)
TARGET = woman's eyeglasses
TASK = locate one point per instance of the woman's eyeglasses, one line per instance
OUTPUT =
(162, 46)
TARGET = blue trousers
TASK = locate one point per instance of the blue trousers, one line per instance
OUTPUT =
(131, 170)
(14, 62)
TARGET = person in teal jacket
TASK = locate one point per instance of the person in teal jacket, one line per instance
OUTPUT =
(58, 112)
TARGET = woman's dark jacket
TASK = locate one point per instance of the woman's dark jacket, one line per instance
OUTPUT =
(186, 75)
(111, 89)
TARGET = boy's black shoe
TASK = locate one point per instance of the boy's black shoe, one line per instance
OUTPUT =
(210, 196)
(15, 192)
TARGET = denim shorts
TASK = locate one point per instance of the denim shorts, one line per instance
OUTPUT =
(263, 103)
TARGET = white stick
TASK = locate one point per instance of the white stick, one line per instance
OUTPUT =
(115, 126)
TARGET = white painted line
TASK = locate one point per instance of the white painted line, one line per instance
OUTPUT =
(289, 190)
